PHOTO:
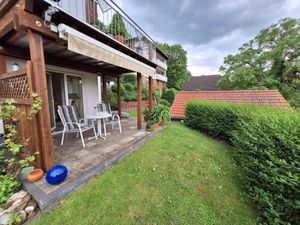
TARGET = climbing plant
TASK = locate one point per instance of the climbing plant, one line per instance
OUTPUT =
(10, 113)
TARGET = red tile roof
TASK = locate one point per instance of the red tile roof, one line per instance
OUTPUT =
(261, 97)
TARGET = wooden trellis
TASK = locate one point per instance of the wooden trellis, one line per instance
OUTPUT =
(17, 85)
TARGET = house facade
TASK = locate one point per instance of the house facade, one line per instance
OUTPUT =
(64, 50)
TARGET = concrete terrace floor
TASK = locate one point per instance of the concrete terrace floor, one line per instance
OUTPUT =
(84, 163)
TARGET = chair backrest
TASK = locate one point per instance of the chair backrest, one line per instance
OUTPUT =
(67, 115)
(104, 108)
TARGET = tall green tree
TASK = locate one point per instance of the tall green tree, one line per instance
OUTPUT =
(269, 61)
(177, 72)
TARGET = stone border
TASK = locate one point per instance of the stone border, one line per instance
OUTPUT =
(48, 202)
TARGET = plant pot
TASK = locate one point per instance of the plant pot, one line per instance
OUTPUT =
(153, 127)
(146, 118)
(35, 175)
(120, 38)
(162, 122)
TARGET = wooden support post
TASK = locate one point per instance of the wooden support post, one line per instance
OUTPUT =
(150, 98)
(40, 87)
(104, 89)
(119, 96)
(3, 68)
(139, 101)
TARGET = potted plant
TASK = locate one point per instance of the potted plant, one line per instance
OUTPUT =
(99, 25)
(160, 114)
(146, 114)
(117, 28)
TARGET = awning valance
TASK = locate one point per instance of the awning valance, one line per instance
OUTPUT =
(85, 45)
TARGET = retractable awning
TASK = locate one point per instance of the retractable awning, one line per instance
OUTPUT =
(87, 46)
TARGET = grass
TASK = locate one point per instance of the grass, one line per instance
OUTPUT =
(133, 113)
(178, 177)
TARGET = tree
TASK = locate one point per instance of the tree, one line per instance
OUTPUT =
(270, 61)
(177, 72)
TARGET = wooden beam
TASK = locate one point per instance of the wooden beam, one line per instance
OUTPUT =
(13, 37)
(6, 5)
(139, 101)
(40, 87)
(119, 96)
(35, 23)
(26, 5)
(104, 89)
(150, 99)
(7, 23)
(3, 67)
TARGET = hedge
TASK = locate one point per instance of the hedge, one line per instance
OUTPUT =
(266, 144)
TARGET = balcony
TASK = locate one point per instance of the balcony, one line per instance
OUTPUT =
(107, 17)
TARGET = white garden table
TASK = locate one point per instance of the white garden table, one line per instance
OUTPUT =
(98, 117)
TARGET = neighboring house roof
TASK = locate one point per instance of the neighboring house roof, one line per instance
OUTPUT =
(202, 83)
(261, 97)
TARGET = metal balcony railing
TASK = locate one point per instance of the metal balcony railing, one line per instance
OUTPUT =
(107, 17)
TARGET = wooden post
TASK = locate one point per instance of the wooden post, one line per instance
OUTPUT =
(3, 68)
(119, 96)
(40, 87)
(104, 89)
(150, 99)
(139, 101)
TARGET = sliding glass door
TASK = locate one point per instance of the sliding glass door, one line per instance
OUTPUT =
(74, 93)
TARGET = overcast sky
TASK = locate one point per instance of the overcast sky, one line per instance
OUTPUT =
(207, 29)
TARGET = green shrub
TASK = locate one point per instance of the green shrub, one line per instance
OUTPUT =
(130, 78)
(156, 93)
(144, 93)
(164, 102)
(169, 95)
(114, 88)
(129, 96)
(129, 87)
(7, 188)
(267, 148)
(113, 99)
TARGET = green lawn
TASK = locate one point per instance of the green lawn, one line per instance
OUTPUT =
(134, 113)
(178, 177)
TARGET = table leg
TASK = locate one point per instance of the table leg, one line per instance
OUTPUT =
(104, 127)
(100, 128)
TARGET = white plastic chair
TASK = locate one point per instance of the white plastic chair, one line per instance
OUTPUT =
(72, 124)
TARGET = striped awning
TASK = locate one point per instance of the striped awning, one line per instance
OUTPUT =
(85, 45)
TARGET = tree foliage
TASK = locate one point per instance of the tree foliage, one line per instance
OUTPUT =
(177, 72)
(269, 61)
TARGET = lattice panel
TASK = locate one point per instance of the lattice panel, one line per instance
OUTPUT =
(15, 87)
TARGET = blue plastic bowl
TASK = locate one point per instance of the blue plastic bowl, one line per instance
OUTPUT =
(56, 174)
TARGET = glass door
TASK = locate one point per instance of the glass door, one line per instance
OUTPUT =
(75, 96)
(51, 101)
(56, 97)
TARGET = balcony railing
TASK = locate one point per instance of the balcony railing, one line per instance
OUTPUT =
(107, 17)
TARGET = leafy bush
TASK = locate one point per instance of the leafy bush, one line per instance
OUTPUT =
(130, 78)
(113, 99)
(266, 146)
(164, 102)
(156, 93)
(114, 88)
(144, 93)
(7, 188)
(169, 95)
(129, 87)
